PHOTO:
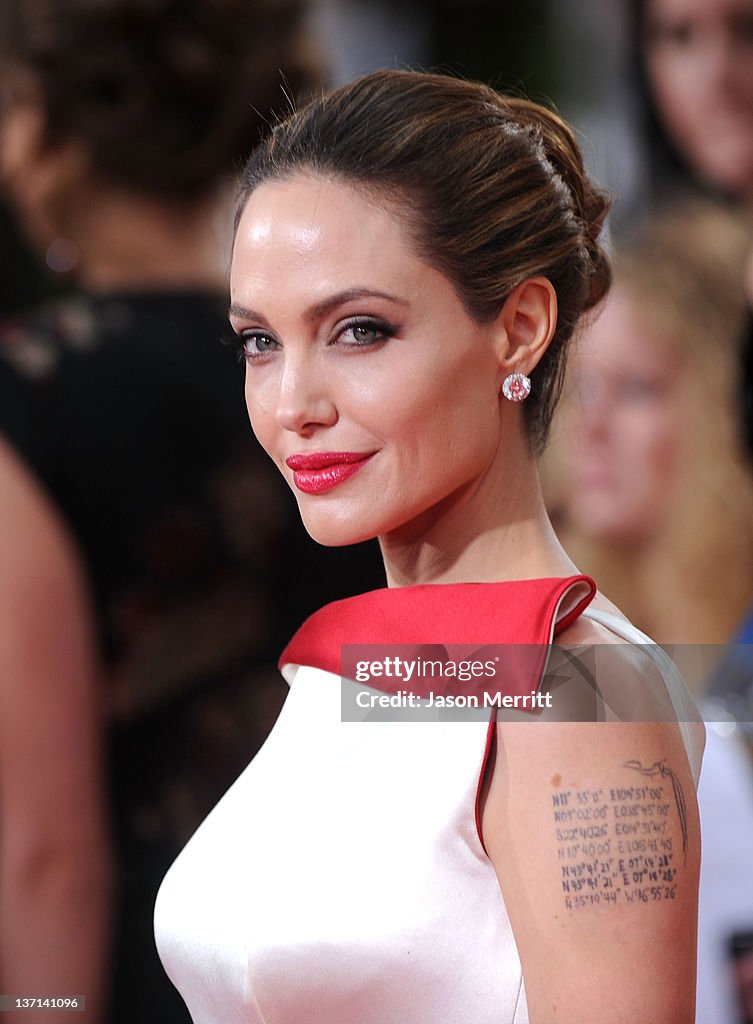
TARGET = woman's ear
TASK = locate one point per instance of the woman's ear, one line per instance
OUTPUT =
(21, 136)
(526, 325)
(38, 178)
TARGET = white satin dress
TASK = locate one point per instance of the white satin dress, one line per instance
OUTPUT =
(342, 878)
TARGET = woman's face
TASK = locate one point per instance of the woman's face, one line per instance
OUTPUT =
(628, 412)
(700, 65)
(367, 382)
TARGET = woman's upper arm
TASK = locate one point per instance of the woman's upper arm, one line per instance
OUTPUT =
(593, 831)
(50, 774)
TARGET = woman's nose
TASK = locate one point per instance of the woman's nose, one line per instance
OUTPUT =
(304, 401)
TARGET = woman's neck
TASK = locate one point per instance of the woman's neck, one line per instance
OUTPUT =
(498, 531)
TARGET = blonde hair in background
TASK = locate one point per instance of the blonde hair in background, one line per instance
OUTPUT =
(694, 581)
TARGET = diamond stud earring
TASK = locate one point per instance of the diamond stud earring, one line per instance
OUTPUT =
(516, 387)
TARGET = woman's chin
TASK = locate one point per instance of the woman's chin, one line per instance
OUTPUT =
(331, 532)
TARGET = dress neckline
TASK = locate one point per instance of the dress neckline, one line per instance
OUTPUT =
(529, 611)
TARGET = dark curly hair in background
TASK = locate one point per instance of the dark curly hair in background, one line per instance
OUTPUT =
(167, 95)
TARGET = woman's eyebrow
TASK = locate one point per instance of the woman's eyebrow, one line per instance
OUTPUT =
(321, 309)
(246, 314)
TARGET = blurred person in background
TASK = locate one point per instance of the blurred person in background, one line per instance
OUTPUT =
(732, 686)
(658, 496)
(693, 65)
(152, 562)
(659, 502)
(24, 283)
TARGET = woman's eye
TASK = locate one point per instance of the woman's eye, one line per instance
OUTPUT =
(255, 345)
(640, 390)
(673, 34)
(365, 332)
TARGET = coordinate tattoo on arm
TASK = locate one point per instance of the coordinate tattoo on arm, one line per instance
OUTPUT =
(618, 844)
(660, 768)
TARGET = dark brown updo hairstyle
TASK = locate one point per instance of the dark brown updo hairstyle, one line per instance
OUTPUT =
(166, 95)
(492, 190)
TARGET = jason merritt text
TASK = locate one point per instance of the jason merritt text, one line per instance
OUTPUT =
(408, 699)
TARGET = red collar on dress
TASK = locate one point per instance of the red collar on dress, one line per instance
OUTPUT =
(514, 612)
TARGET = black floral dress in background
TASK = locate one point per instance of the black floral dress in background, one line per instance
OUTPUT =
(130, 411)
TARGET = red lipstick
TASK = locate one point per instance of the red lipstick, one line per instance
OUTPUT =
(318, 472)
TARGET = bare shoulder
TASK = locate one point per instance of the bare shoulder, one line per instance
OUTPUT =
(44, 605)
(590, 821)
(36, 547)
